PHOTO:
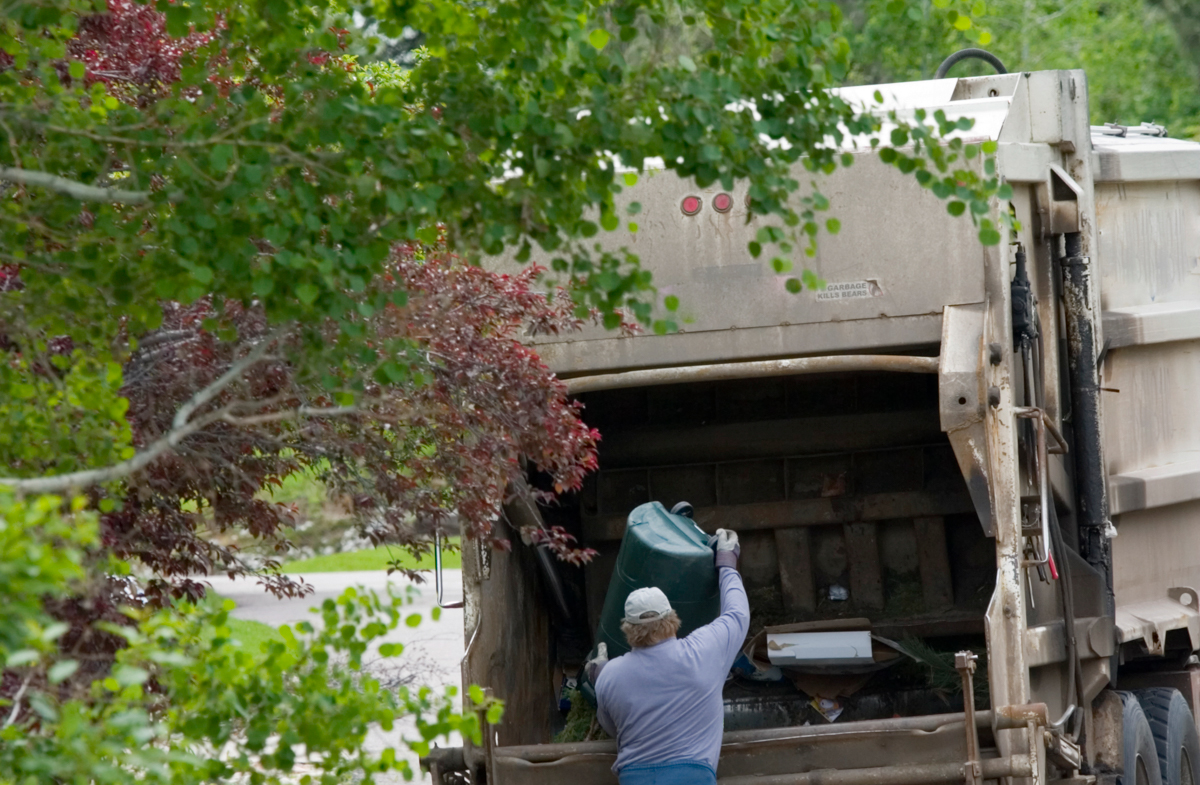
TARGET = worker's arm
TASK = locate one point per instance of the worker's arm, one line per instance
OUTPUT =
(735, 613)
(721, 640)
(602, 715)
(734, 604)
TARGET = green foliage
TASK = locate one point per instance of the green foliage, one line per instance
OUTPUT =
(41, 554)
(581, 724)
(64, 411)
(380, 558)
(278, 165)
(253, 634)
(941, 674)
(261, 175)
(1137, 67)
(197, 696)
(954, 175)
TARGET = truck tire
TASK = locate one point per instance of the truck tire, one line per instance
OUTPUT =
(1139, 756)
(1175, 736)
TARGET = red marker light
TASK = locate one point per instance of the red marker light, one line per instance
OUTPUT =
(691, 205)
(722, 203)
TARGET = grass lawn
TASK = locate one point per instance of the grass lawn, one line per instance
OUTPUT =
(253, 634)
(371, 560)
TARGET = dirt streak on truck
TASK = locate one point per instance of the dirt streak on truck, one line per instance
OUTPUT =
(988, 450)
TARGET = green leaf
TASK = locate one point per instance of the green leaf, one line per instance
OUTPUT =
(307, 293)
(630, 178)
(793, 285)
(19, 658)
(687, 63)
(671, 302)
(598, 38)
(62, 670)
(989, 236)
(219, 157)
(833, 226)
(77, 69)
(609, 221)
(956, 208)
(413, 620)
(129, 675)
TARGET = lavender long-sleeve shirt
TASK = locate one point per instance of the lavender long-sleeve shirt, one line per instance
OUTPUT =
(663, 703)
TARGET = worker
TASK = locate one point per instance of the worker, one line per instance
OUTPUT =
(662, 701)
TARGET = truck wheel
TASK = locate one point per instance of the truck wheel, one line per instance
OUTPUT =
(1175, 738)
(1139, 756)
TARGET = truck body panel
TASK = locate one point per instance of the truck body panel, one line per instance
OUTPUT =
(918, 494)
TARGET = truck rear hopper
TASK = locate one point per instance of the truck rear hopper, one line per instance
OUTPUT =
(883, 436)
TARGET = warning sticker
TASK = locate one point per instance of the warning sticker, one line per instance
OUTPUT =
(850, 290)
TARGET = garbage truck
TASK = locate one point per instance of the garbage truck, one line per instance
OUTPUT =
(986, 457)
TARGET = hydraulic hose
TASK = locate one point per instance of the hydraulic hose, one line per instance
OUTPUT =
(969, 54)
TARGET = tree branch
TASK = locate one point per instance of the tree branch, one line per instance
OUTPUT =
(73, 188)
(16, 710)
(291, 414)
(182, 427)
(76, 480)
(209, 392)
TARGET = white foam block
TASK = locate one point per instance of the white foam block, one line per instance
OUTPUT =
(819, 648)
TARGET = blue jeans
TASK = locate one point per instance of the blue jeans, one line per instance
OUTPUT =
(680, 772)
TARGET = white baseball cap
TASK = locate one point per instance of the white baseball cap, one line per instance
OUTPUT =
(643, 606)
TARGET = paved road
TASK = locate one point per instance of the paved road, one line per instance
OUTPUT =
(432, 652)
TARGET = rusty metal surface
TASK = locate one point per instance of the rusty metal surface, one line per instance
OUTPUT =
(1008, 675)
(964, 663)
(1142, 325)
(962, 401)
(903, 755)
(915, 774)
(899, 334)
(1017, 716)
(1046, 643)
(1006, 717)
(1147, 256)
(503, 656)
(765, 368)
(793, 437)
(805, 512)
(934, 562)
(730, 298)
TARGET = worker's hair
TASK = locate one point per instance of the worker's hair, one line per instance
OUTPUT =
(643, 635)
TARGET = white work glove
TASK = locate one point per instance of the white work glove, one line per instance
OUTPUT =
(593, 666)
(725, 542)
